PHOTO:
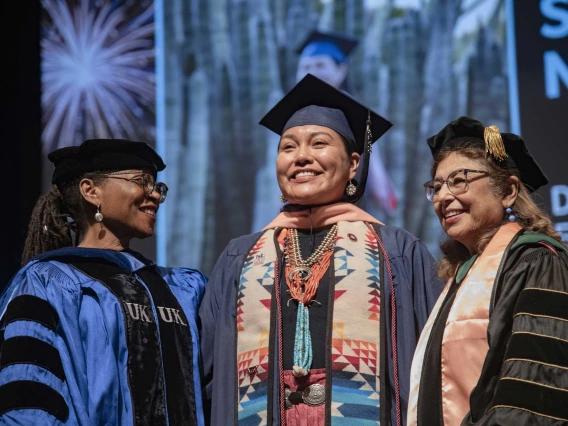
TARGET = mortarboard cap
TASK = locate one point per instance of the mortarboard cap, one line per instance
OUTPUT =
(103, 154)
(507, 149)
(338, 46)
(313, 101)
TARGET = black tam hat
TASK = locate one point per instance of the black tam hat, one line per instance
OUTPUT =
(506, 149)
(313, 101)
(103, 154)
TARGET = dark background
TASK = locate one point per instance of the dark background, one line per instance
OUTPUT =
(20, 124)
(544, 122)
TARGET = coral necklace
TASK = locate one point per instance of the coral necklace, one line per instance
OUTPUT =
(303, 278)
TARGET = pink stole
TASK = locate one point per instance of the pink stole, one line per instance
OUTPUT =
(464, 343)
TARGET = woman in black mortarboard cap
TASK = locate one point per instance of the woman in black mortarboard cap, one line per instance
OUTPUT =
(95, 334)
(495, 348)
(316, 317)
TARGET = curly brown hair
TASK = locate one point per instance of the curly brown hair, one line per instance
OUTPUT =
(528, 215)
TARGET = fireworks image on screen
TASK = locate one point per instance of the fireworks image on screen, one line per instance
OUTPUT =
(98, 74)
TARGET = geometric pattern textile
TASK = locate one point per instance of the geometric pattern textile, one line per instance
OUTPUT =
(355, 336)
(355, 385)
(253, 329)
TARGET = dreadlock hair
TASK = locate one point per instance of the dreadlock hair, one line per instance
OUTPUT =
(529, 216)
(49, 227)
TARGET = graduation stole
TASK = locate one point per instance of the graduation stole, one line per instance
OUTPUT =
(465, 333)
(354, 362)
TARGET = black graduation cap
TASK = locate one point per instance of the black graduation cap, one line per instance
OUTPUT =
(336, 45)
(313, 101)
(507, 149)
(103, 154)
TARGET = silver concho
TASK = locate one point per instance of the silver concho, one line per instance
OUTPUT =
(287, 402)
(314, 395)
(302, 272)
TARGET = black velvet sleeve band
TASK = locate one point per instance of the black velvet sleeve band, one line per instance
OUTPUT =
(32, 395)
(541, 302)
(29, 350)
(538, 399)
(532, 347)
(31, 308)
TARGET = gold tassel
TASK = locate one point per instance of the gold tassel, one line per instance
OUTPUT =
(494, 143)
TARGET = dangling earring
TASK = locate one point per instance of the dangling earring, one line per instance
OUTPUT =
(512, 217)
(98, 214)
(350, 189)
(283, 198)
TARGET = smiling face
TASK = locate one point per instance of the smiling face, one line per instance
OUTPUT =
(127, 211)
(466, 217)
(313, 166)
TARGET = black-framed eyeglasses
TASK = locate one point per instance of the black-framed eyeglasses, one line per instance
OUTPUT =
(146, 182)
(457, 182)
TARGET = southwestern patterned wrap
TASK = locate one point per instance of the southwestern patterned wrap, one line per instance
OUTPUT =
(355, 385)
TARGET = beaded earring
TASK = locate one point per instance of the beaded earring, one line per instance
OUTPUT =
(350, 189)
(509, 212)
(283, 198)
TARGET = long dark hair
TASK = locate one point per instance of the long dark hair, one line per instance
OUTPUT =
(528, 215)
(55, 215)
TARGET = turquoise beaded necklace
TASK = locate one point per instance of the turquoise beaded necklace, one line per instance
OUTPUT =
(302, 278)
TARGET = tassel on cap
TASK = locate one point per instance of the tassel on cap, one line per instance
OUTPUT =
(494, 143)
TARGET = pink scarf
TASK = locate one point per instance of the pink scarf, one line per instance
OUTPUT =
(321, 216)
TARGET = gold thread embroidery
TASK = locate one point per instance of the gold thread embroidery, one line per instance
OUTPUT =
(540, 316)
(540, 335)
(535, 362)
(534, 383)
(524, 409)
(545, 289)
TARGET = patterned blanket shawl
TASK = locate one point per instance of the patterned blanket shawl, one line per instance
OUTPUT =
(354, 388)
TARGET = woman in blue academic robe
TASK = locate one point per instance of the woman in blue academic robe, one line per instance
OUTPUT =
(314, 320)
(97, 334)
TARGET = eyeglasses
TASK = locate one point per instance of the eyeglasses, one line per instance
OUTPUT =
(146, 182)
(458, 183)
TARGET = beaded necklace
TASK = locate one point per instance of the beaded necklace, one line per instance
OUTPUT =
(303, 278)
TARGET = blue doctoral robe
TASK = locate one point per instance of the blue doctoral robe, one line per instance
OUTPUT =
(416, 289)
(66, 355)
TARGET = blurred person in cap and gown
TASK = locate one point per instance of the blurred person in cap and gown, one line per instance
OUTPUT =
(314, 320)
(93, 333)
(326, 56)
(495, 348)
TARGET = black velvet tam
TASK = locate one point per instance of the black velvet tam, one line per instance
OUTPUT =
(519, 160)
(103, 154)
(314, 102)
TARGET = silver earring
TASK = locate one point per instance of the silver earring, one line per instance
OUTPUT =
(98, 214)
(509, 212)
(283, 199)
(350, 189)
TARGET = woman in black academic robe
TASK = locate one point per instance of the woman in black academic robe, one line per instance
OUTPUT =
(495, 348)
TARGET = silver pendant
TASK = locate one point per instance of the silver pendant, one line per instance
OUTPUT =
(314, 395)
(302, 272)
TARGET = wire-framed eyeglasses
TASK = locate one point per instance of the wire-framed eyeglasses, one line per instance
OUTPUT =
(145, 181)
(457, 182)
